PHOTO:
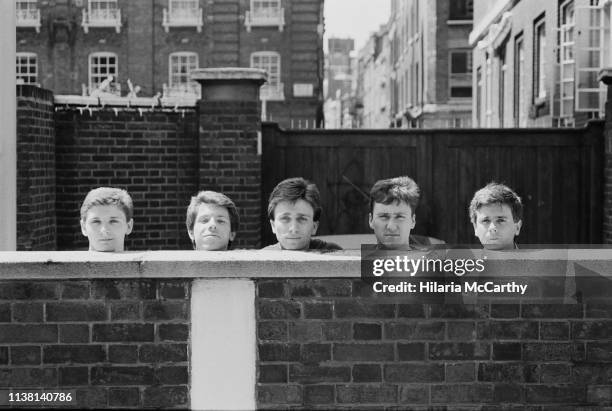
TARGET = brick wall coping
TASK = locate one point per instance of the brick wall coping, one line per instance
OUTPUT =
(229, 73)
(241, 264)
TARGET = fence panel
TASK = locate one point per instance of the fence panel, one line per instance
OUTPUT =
(558, 173)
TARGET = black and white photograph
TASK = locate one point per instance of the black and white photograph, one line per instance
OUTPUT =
(306, 204)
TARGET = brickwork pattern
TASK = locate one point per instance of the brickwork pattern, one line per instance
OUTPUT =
(153, 156)
(229, 161)
(117, 343)
(331, 343)
(36, 228)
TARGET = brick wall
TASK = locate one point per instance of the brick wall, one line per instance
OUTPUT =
(229, 161)
(116, 343)
(330, 343)
(153, 156)
(36, 229)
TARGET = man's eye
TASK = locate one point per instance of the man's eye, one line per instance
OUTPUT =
(384, 217)
(284, 219)
(400, 217)
(221, 221)
(302, 219)
(485, 221)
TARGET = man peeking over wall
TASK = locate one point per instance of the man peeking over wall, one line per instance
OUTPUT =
(212, 221)
(294, 210)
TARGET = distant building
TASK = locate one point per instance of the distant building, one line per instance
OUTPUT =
(373, 88)
(536, 62)
(339, 79)
(73, 46)
(431, 63)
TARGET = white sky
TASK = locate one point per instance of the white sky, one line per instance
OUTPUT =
(354, 18)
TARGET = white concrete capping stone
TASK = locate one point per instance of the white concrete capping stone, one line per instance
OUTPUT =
(46, 265)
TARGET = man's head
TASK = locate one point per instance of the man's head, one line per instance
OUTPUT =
(294, 210)
(212, 221)
(106, 218)
(496, 213)
(393, 204)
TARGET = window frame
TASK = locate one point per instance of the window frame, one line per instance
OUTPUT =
(274, 82)
(540, 90)
(189, 85)
(28, 55)
(99, 54)
(466, 82)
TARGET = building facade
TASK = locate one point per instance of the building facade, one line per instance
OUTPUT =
(536, 63)
(430, 63)
(373, 88)
(73, 46)
(339, 82)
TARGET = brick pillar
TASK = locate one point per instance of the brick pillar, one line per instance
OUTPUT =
(229, 116)
(605, 76)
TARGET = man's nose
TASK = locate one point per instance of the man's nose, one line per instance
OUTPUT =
(492, 227)
(391, 225)
(104, 228)
(212, 224)
(293, 226)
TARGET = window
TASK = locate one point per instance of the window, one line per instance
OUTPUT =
(461, 9)
(503, 68)
(101, 67)
(182, 13)
(27, 68)
(180, 65)
(269, 61)
(265, 13)
(520, 111)
(566, 60)
(27, 14)
(460, 79)
(102, 13)
(589, 53)
(539, 60)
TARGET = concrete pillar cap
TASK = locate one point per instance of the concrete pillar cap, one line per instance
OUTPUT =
(605, 76)
(229, 74)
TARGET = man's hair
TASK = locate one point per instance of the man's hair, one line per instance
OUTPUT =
(292, 190)
(102, 196)
(395, 190)
(496, 193)
(215, 198)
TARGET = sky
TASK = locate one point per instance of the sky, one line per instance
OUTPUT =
(354, 18)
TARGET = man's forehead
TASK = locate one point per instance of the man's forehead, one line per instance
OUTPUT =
(494, 210)
(299, 207)
(212, 209)
(394, 207)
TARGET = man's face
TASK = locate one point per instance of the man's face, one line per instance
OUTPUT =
(212, 229)
(392, 223)
(495, 227)
(106, 227)
(294, 224)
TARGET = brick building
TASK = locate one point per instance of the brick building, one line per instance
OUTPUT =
(72, 46)
(430, 63)
(536, 63)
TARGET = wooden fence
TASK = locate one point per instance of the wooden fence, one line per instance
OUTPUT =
(557, 172)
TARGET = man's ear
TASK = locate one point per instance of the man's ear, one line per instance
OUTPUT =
(518, 225)
(314, 228)
(475, 226)
(130, 225)
(272, 225)
(371, 221)
(191, 236)
(413, 221)
(83, 230)
(232, 236)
